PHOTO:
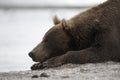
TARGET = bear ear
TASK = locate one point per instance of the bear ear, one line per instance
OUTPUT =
(56, 20)
(64, 24)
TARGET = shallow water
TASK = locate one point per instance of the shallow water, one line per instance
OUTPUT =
(21, 30)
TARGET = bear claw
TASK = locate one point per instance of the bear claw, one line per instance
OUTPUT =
(36, 66)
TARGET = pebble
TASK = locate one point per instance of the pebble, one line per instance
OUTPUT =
(44, 75)
(35, 76)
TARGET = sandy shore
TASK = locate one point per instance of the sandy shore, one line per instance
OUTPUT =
(99, 71)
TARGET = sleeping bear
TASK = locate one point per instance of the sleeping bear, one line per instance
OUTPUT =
(90, 37)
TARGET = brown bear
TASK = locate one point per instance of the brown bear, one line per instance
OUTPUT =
(89, 37)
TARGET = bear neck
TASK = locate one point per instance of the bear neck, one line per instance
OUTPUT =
(79, 24)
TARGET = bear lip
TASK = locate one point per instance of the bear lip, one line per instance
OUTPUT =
(35, 60)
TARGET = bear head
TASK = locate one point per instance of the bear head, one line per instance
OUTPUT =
(55, 42)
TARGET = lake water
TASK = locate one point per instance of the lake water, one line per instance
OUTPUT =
(21, 30)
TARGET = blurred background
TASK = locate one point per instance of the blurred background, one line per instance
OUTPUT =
(23, 23)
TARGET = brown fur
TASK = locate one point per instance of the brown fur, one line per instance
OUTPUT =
(90, 37)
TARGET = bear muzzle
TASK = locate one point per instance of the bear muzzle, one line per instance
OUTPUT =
(38, 58)
(31, 54)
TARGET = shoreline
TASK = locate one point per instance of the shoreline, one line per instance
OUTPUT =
(98, 71)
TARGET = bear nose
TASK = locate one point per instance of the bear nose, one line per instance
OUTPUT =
(31, 54)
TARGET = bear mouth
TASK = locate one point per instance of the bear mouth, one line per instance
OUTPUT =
(40, 61)
(35, 60)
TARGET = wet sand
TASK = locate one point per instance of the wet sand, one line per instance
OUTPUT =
(98, 71)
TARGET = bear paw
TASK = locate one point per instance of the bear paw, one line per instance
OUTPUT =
(36, 66)
(53, 62)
